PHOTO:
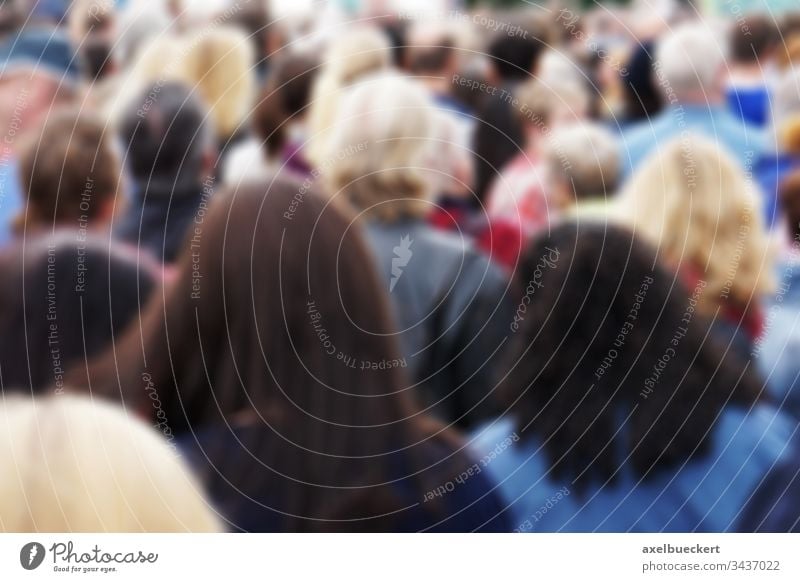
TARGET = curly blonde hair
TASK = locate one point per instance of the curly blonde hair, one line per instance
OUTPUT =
(380, 154)
(701, 210)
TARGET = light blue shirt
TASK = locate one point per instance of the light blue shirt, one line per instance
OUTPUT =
(10, 198)
(746, 144)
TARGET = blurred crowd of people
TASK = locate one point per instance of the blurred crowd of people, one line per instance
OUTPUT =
(361, 268)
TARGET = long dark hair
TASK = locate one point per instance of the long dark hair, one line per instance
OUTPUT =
(274, 310)
(611, 359)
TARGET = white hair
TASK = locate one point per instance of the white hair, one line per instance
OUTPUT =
(587, 156)
(688, 62)
(71, 464)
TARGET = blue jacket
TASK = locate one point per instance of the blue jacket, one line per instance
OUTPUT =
(734, 487)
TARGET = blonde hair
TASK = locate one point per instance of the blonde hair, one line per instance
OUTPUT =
(697, 206)
(381, 147)
(219, 65)
(71, 464)
(356, 53)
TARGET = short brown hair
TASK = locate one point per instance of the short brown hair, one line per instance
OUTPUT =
(68, 169)
(751, 41)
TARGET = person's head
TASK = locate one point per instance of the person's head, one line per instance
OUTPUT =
(432, 51)
(353, 55)
(70, 172)
(583, 162)
(65, 301)
(789, 199)
(545, 106)
(167, 138)
(278, 321)
(380, 149)
(284, 100)
(219, 66)
(753, 39)
(140, 24)
(74, 464)
(694, 202)
(581, 377)
(515, 57)
(690, 65)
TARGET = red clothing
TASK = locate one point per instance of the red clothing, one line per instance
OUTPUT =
(500, 240)
(519, 196)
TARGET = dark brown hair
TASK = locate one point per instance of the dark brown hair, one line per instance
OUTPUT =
(284, 98)
(68, 169)
(752, 39)
(610, 366)
(273, 298)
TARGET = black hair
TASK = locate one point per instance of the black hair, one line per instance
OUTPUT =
(165, 133)
(515, 56)
(642, 96)
(610, 362)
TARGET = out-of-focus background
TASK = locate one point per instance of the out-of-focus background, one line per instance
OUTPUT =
(399, 265)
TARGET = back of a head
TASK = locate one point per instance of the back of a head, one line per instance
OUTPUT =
(549, 104)
(219, 65)
(603, 313)
(75, 465)
(753, 38)
(432, 49)
(70, 171)
(697, 205)
(354, 54)
(689, 63)
(259, 283)
(360, 51)
(285, 99)
(166, 135)
(586, 157)
(515, 56)
(72, 299)
(290, 327)
(380, 148)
